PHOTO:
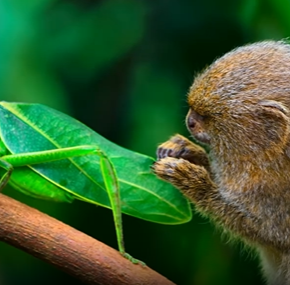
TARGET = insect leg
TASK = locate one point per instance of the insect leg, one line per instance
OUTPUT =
(6, 176)
(113, 189)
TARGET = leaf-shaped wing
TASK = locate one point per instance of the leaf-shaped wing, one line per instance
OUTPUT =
(34, 127)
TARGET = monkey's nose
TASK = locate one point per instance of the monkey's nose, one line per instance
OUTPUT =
(191, 122)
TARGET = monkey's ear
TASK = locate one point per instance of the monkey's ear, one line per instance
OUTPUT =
(275, 117)
(274, 105)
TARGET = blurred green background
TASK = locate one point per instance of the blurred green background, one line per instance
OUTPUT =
(123, 67)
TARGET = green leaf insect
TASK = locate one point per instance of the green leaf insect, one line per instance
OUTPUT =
(49, 155)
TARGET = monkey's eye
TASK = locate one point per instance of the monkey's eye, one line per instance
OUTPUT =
(197, 115)
(203, 117)
(193, 117)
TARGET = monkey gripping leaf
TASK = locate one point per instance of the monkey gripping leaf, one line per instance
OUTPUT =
(28, 128)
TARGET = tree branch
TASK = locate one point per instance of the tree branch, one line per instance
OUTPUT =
(68, 249)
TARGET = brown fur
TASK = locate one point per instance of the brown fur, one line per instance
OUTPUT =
(240, 106)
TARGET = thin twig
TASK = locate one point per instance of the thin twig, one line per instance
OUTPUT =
(68, 249)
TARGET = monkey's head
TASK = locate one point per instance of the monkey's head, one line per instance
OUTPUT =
(241, 103)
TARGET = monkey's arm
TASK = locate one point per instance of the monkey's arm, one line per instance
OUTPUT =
(255, 224)
(195, 183)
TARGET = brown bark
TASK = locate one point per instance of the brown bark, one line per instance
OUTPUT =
(68, 249)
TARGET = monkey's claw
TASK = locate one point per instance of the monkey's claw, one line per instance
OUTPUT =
(176, 146)
(171, 169)
(180, 147)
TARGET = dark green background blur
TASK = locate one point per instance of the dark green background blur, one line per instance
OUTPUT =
(123, 67)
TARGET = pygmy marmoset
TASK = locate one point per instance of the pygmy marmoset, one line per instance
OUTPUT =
(240, 107)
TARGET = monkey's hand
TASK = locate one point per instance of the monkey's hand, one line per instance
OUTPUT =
(193, 180)
(180, 147)
(186, 166)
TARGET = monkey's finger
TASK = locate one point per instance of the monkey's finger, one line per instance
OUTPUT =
(163, 152)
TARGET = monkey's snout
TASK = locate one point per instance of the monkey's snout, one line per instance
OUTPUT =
(191, 122)
(194, 124)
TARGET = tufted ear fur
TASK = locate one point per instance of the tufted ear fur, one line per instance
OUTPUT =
(275, 118)
(275, 106)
